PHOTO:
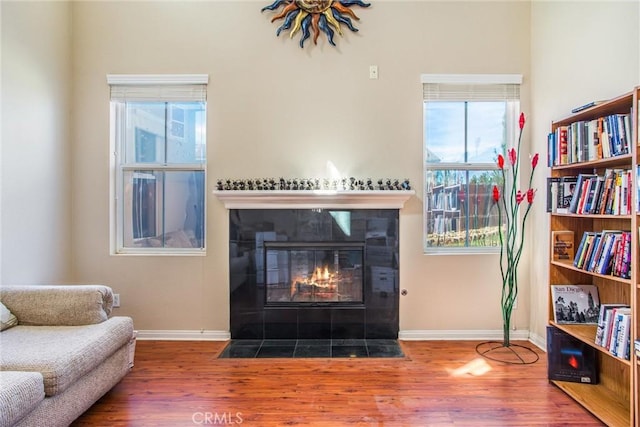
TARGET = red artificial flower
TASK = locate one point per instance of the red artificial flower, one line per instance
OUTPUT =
(513, 157)
(519, 197)
(500, 161)
(496, 193)
(521, 120)
(530, 194)
(534, 161)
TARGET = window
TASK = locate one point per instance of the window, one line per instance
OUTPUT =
(158, 135)
(468, 121)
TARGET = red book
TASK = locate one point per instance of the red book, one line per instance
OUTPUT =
(564, 147)
(584, 195)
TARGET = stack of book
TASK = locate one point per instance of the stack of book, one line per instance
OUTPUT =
(590, 194)
(614, 329)
(606, 252)
(584, 141)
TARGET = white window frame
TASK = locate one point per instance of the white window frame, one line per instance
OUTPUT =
(466, 87)
(170, 87)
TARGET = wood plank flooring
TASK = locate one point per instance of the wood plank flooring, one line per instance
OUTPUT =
(437, 383)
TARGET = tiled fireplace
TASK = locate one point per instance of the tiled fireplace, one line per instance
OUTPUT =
(304, 272)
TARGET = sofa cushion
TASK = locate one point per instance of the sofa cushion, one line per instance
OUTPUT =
(7, 319)
(55, 305)
(62, 354)
(20, 393)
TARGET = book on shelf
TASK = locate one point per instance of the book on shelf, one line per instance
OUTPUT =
(620, 339)
(562, 245)
(607, 194)
(570, 359)
(579, 192)
(607, 252)
(607, 190)
(563, 149)
(557, 150)
(615, 320)
(575, 304)
(595, 196)
(583, 248)
(638, 187)
(621, 259)
(613, 331)
(586, 106)
(552, 194)
(551, 154)
(602, 330)
(609, 315)
(591, 251)
(560, 191)
(586, 193)
(596, 253)
(589, 140)
(609, 248)
(567, 187)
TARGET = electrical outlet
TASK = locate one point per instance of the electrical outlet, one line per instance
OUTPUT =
(373, 72)
(116, 300)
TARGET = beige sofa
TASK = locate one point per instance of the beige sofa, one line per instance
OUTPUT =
(65, 352)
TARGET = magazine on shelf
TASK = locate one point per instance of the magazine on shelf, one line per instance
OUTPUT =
(575, 304)
(562, 245)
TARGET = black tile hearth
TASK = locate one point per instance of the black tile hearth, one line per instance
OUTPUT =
(327, 348)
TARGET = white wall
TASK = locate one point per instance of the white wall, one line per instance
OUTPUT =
(278, 110)
(35, 227)
(580, 52)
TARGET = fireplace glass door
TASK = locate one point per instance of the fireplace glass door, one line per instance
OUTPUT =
(313, 273)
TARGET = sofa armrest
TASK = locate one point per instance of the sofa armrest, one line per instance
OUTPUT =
(53, 305)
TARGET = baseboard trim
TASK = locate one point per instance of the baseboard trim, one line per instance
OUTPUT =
(407, 335)
(539, 341)
(460, 335)
(177, 335)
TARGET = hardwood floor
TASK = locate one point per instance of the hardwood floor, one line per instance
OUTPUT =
(438, 383)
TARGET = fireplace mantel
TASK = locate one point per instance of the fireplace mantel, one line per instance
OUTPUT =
(313, 199)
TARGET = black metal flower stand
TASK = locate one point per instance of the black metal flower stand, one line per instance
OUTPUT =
(514, 354)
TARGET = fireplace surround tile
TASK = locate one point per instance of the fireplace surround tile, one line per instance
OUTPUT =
(314, 324)
(347, 324)
(374, 316)
(281, 323)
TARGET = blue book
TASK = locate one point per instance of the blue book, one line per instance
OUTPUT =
(607, 262)
(578, 190)
(576, 258)
(586, 106)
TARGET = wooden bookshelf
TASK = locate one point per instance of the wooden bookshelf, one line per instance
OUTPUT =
(614, 399)
(609, 408)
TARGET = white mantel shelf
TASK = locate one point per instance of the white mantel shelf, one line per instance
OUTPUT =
(313, 199)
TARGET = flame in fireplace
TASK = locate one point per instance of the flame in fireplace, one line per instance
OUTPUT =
(320, 275)
(320, 279)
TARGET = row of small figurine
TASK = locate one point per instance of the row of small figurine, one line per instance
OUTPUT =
(351, 184)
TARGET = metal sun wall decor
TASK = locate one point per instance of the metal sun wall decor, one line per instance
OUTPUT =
(316, 16)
